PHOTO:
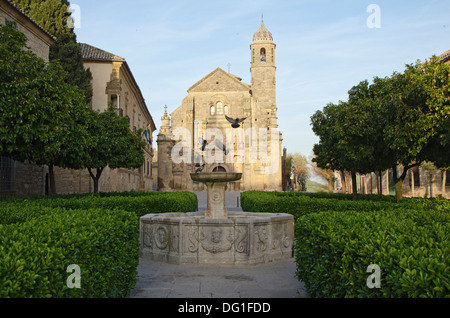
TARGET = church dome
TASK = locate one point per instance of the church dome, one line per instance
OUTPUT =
(262, 34)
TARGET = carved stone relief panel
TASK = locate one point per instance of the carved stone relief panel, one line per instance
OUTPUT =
(216, 239)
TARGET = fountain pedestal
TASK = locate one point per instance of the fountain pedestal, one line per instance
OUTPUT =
(216, 183)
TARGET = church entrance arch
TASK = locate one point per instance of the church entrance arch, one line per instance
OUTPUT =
(219, 169)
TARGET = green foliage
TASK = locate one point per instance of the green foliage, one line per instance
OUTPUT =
(401, 120)
(334, 249)
(36, 252)
(53, 15)
(336, 239)
(41, 237)
(43, 119)
(113, 145)
(140, 203)
(299, 204)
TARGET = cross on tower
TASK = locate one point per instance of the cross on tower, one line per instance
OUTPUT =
(229, 67)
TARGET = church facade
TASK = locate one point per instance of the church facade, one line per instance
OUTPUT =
(254, 148)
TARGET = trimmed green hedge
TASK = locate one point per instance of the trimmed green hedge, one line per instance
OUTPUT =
(36, 249)
(41, 237)
(337, 239)
(140, 203)
(303, 204)
(334, 249)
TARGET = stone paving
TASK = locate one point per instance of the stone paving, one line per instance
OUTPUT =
(161, 280)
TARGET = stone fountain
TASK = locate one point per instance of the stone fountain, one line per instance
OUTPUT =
(217, 237)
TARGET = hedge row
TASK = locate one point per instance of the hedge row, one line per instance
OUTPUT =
(334, 250)
(41, 237)
(337, 239)
(337, 196)
(299, 205)
(36, 248)
(140, 203)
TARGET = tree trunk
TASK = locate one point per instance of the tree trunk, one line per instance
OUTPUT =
(95, 178)
(399, 189)
(354, 186)
(51, 180)
(398, 181)
(344, 186)
(330, 184)
(95, 185)
(380, 184)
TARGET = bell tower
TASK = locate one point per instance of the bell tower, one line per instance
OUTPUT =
(263, 72)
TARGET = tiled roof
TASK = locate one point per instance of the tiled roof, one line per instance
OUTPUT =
(262, 34)
(92, 53)
(445, 57)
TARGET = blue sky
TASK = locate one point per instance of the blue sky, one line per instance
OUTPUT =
(324, 47)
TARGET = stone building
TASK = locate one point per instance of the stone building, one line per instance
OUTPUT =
(253, 149)
(24, 178)
(113, 84)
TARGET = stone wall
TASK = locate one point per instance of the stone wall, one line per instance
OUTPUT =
(118, 180)
(38, 40)
(29, 180)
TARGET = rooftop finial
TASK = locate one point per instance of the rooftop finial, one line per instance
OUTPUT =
(165, 112)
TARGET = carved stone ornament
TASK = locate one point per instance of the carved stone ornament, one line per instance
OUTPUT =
(216, 239)
(161, 237)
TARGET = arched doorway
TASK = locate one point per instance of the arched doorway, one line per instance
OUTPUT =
(219, 169)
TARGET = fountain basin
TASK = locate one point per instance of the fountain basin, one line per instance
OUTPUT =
(243, 238)
(216, 183)
(216, 177)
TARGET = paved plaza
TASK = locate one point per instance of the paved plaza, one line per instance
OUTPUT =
(161, 280)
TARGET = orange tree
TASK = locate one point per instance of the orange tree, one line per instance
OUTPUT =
(42, 118)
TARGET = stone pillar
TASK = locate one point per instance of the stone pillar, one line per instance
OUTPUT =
(215, 208)
(165, 145)
(165, 170)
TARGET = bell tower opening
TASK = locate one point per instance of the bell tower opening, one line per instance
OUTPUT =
(263, 55)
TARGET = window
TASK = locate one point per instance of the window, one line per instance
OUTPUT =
(263, 55)
(213, 110)
(416, 174)
(114, 101)
(226, 110)
(219, 108)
